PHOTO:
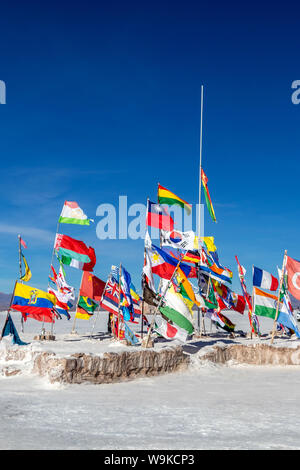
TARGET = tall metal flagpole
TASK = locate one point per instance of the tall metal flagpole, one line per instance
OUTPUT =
(20, 268)
(199, 206)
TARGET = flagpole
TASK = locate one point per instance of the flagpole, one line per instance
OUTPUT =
(143, 276)
(279, 292)
(120, 272)
(20, 269)
(73, 328)
(160, 302)
(199, 205)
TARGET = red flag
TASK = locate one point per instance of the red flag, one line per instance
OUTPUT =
(293, 273)
(92, 286)
(157, 216)
(22, 242)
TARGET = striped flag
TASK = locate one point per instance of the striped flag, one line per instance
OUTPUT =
(264, 279)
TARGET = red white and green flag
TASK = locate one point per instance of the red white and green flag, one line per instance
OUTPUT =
(72, 214)
(168, 331)
(72, 249)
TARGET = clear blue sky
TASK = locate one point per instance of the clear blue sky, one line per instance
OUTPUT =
(103, 99)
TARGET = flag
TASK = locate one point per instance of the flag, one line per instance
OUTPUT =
(91, 286)
(264, 279)
(129, 335)
(163, 264)
(293, 273)
(110, 299)
(215, 270)
(179, 240)
(167, 197)
(63, 302)
(149, 296)
(168, 331)
(264, 304)
(187, 256)
(186, 289)
(72, 214)
(125, 282)
(33, 302)
(85, 308)
(10, 329)
(253, 320)
(158, 217)
(238, 303)
(209, 243)
(286, 317)
(115, 272)
(220, 320)
(210, 208)
(75, 263)
(71, 248)
(175, 309)
(22, 242)
(27, 276)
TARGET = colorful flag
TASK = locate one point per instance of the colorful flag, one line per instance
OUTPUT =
(168, 331)
(293, 274)
(264, 304)
(186, 289)
(264, 279)
(216, 271)
(63, 301)
(167, 197)
(110, 299)
(72, 214)
(187, 257)
(253, 320)
(125, 282)
(158, 217)
(286, 317)
(85, 308)
(163, 264)
(175, 309)
(210, 208)
(209, 243)
(179, 240)
(33, 302)
(91, 286)
(71, 248)
(220, 320)
(27, 276)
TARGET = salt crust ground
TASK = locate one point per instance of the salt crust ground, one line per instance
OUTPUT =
(206, 407)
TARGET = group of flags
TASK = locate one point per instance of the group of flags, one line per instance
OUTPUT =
(189, 271)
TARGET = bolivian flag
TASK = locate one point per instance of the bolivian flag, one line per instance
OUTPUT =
(30, 300)
(167, 197)
(210, 208)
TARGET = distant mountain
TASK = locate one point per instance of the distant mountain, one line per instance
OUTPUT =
(4, 300)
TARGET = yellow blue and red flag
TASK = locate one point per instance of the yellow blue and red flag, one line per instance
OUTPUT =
(33, 302)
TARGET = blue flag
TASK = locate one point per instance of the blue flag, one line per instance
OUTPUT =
(130, 336)
(10, 329)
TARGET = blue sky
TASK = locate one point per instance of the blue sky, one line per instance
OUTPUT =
(104, 100)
